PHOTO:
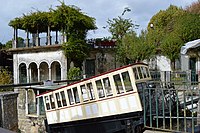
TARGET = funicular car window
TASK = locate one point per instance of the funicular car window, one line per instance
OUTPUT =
(58, 99)
(64, 102)
(52, 101)
(84, 93)
(135, 73)
(76, 96)
(140, 73)
(91, 91)
(118, 84)
(127, 81)
(107, 87)
(100, 90)
(144, 72)
(70, 96)
(148, 74)
(47, 101)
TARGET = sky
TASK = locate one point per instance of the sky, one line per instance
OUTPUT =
(102, 10)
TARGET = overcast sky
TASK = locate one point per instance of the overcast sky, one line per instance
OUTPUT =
(102, 10)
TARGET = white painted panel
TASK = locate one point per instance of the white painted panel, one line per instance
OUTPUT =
(88, 110)
(123, 103)
(112, 106)
(73, 113)
(54, 116)
(95, 109)
(132, 101)
(79, 111)
(104, 107)
(49, 117)
(63, 115)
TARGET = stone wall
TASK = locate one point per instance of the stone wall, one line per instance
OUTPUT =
(28, 123)
(8, 111)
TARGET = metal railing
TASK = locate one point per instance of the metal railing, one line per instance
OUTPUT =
(172, 109)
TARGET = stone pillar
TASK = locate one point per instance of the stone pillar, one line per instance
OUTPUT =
(27, 38)
(38, 74)
(62, 72)
(28, 77)
(56, 42)
(14, 43)
(37, 39)
(9, 115)
(49, 36)
(50, 74)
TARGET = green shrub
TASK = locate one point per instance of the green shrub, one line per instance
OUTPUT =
(74, 73)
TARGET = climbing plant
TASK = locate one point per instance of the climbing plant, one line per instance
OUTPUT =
(69, 20)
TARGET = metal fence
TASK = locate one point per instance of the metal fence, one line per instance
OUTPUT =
(173, 104)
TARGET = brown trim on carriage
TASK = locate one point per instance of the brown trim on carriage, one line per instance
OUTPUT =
(93, 101)
(140, 63)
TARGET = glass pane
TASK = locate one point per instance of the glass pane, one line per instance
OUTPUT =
(52, 102)
(47, 102)
(144, 72)
(100, 89)
(118, 84)
(58, 100)
(127, 81)
(147, 70)
(76, 97)
(71, 99)
(64, 102)
(135, 73)
(84, 93)
(140, 72)
(91, 91)
(107, 86)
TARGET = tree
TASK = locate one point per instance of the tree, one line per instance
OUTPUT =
(5, 77)
(194, 7)
(136, 49)
(118, 27)
(171, 29)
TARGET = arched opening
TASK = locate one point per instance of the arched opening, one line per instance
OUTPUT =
(22, 73)
(55, 71)
(33, 72)
(44, 71)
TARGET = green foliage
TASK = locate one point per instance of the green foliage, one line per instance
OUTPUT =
(74, 73)
(130, 47)
(172, 28)
(76, 51)
(8, 44)
(2, 46)
(135, 49)
(73, 23)
(118, 27)
(66, 18)
(5, 77)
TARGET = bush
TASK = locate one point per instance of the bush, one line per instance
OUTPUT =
(5, 77)
(74, 73)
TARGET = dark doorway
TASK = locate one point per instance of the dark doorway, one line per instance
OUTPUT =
(90, 67)
(192, 67)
